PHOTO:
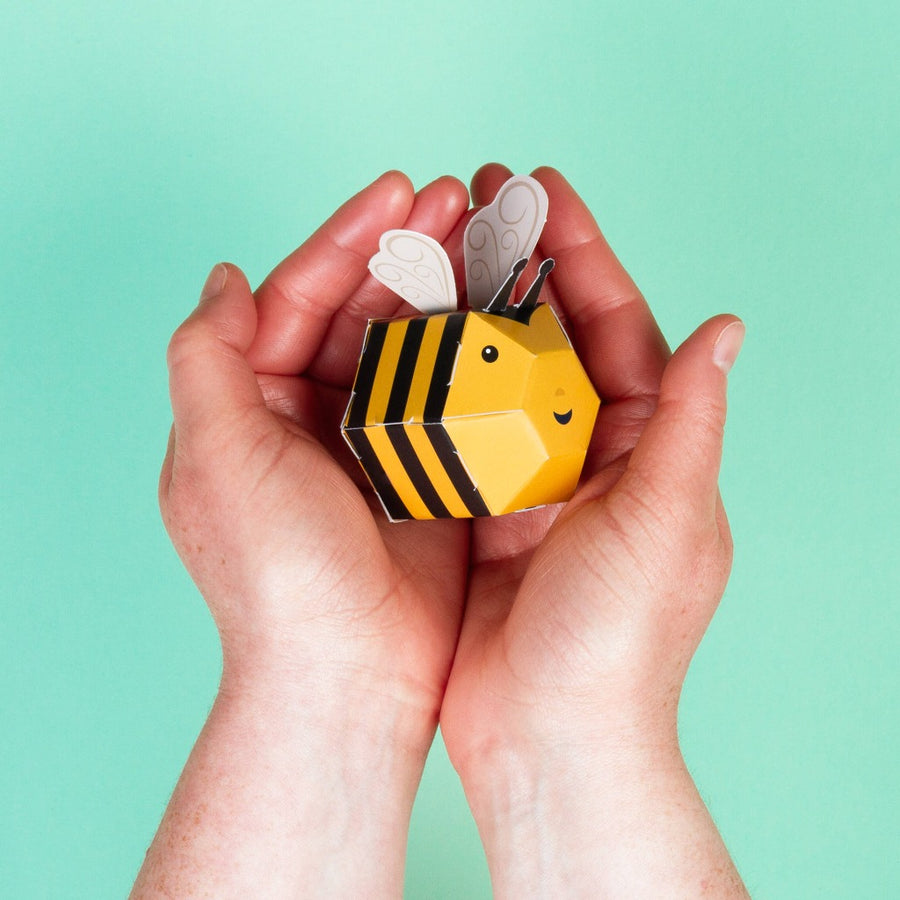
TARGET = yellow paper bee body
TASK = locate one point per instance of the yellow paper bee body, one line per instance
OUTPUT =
(458, 414)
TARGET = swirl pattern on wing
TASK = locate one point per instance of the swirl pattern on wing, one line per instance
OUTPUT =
(500, 233)
(416, 268)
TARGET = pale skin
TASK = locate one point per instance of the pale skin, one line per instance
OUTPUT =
(551, 645)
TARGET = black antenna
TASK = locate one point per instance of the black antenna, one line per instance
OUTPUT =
(529, 301)
(500, 300)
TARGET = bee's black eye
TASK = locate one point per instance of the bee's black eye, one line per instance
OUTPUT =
(489, 353)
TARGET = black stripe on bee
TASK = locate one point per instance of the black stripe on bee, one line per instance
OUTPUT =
(365, 377)
(406, 366)
(455, 470)
(443, 367)
(416, 471)
(395, 507)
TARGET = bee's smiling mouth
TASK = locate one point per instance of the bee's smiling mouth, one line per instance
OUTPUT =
(563, 418)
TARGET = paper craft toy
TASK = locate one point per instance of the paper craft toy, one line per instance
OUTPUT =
(478, 413)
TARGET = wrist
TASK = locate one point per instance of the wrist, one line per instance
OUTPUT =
(287, 789)
(618, 817)
(316, 670)
(522, 785)
(338, 705)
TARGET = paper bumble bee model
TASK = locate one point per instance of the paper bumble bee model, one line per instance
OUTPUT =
(479, 413)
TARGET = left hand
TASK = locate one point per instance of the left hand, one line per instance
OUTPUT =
(261, 497)
(337, 628)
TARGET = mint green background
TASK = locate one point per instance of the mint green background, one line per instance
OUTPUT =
(740, 157)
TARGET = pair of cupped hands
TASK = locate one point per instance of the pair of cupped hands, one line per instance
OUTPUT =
(542, 641)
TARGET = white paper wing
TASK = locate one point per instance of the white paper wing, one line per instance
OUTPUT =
(416, 268)
(499, 234)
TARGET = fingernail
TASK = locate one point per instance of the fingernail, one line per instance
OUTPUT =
(728, 346)
(215, 282)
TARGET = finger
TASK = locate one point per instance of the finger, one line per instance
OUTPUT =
(209, 378)
(679, 453)
(487, 181)
(621, 345)
(435, 212)
(453, 244)
(298, 299)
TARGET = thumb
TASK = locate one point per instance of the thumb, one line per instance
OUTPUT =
(209, 377)
(679, 452)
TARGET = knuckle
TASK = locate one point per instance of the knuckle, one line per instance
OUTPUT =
(703, 416)
(182, 344)
(707, 417)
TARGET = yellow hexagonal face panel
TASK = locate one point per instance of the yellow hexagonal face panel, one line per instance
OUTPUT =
(470, 414)
(533, 410)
